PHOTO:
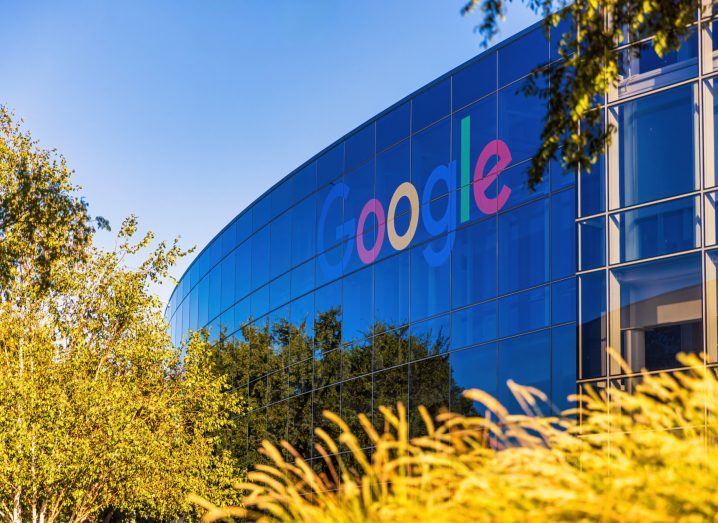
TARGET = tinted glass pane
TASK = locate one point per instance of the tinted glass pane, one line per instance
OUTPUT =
(393, 126)
(563, 366)
(659, 229)
(390, 348)
(358, 304)
(280, 245)
(390, 386)
(430, 286)
(473, 263)
(517, 178)
(281, 197)
(431, 105)
(243, 270)
(279, 291)
(430, 337)
(391, 290)
(303, 230)
(227, 285)
(520, 122)
(428, 386)
(520, 57)
(563, 301)
(260, 258)
(330, 165)
(593, 243)
(473, 369)
(655, 147)
(592, 324)
(304, 182)
(523, 247)
(592, 189)
(524, 311)
(429, 149)
(392, 169)
(360, 191)
(661, 311)
(360, 146)
(474, 81)
(473, 325)
(527, 361)
(261, 213)
(563, 234)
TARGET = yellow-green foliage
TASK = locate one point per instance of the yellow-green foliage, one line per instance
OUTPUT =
(625, 460)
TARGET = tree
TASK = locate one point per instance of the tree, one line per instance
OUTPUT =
(589, 64)
(99, 413)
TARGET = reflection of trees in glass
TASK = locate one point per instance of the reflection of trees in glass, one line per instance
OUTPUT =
(293, 373)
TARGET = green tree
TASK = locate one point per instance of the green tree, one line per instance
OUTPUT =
(99, 413)
(590, 31)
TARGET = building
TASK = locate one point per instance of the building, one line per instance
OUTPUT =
(409, 261)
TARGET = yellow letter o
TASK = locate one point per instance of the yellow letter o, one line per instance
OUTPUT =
(405, 190)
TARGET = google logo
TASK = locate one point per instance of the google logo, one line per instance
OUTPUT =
(477, 182)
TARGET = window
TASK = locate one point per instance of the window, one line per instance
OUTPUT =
(260, 258)
(520, 57)
(523, 247)
(304, 227)
(563, 301)
(330, 165)
(592, 324)
(661, 311)
(473, 264)
(524, 311)
(474, 81)
(430, 285)
(304, 182)
(302, 279)
(520, 122)
(473, 325)
(280, 245)
(430, 149)
(563, 365)
(658, 229)
(243, 270)
(431, 105)
(563, 234)
(592, 234)
(430, 337)
(473, 369)
(393, 126)
(358, 304)
(592, 188)
(428, 386)
(525, 360)
(654, 152)
(360, 146)
(392, 169)
(391, 290)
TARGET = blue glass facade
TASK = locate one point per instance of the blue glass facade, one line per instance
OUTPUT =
(410, 261)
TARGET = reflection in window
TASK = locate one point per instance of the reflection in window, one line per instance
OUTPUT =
(473, 325)
(520, 122)
(474, 81)
(523, 247)
(592, 324)
(523, 55)
(524, 311)
(592, 234)
(391, 290)
(428, 386)
(592, 190)
(430, 149)
(473, 369)
(655, 147)
(430, 285)
(660, 311)
(392, 169)
(658, 229)
(525, 360)
(473, 263)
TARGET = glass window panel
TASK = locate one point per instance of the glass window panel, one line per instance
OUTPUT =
(261, 213)
(277, 423)
(215, 289)
(563, 366)
(326, 399)
(304, 227)
(358, 304)
(655, 147)
(193, 309)
(327, 367)
(521, 56)
(260, 258)
(474, 81)
(473, 325)
(430, 285)
(360, 146)
(360, 183)
(563, 234)
(564, 27)
(330, 165)
(563, 301)
(658, 229)
(392, 169)
(244, 226)
(304, 182)
(391, 348)
(243, 270)
(429, 149)
(523, 247)
(520, 122)
(661, 311)
(280, 245)
(593, 243)
(330, 214)
(228, 272)
(328, 317)
(260, 302)
(428, 386)
(357, 399)
(431, 105)
(281, 197)
(215, 251)
(641, 69)
(299, 423)
(391, 291)
(473, 263)
(390, 387)
(229, 238)
(204, 262)
(242, 312)
(473, 369)
(524, 311)
(393, 126)
(279, 291)
(517, 178)
(430, 337)
(592, 324)
(203, 303)
(302, 279)
(527, 361)
(592, 190)
(560, 177)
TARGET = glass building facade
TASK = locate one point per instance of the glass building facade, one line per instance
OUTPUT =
(409, 260)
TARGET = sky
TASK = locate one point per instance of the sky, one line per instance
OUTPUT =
(184, 112)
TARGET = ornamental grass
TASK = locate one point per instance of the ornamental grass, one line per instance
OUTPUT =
(644, 455)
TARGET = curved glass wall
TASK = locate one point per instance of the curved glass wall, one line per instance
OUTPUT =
(410, 261)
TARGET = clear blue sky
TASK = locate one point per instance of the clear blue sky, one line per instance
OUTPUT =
(184, 112)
